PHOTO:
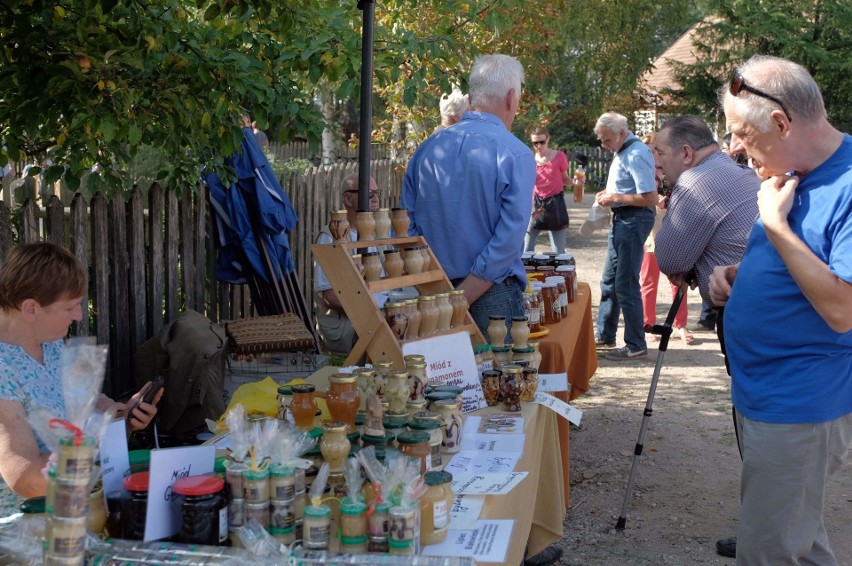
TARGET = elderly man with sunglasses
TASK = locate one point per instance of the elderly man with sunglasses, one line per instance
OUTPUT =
(788, 312)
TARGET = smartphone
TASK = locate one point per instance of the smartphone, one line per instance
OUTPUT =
(157, 384)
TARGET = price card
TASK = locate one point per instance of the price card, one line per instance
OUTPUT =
(561, 407)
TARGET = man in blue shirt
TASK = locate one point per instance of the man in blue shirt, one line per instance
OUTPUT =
(631, 191)
(788, 312)
(468, 191)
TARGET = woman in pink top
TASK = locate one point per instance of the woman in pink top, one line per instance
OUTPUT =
(551, 177)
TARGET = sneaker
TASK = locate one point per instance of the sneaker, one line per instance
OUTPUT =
(625, 353)
(701, 327)
(601, 344)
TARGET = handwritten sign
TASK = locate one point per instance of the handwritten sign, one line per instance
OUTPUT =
(482, 462)
(553, 382)
(115, 460)
(486, 484)
(465, 511)
(450, 361)
(492, 442)
(167, 466)
(488, 542)
(501, 423)
(559, 406)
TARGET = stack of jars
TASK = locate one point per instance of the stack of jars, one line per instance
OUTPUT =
(67, 501)
(510, 384)
(427, 315)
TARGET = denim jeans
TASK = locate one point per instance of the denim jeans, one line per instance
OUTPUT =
(504, 299)
(558, 238)
(620, 290)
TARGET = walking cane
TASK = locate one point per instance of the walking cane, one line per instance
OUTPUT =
(664, 331)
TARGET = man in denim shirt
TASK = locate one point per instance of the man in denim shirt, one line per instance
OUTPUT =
(631, 191)
(468, 191)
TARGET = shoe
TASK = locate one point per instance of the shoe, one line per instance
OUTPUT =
(625, 353)
(651, 337)
(727, 547)
(602, 344)
(685, 335)
(547, 556)
(701, 327)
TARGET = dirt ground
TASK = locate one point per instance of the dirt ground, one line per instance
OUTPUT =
(686, 493)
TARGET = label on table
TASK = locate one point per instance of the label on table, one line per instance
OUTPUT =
(486, 484)
(488, 542)
(465, 511)
(561, 407)
(553, 382)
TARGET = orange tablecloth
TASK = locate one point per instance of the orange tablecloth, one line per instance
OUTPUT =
(570, 347)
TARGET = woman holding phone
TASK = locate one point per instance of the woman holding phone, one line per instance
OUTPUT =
(41, 289)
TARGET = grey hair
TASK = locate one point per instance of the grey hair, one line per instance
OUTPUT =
(787, 81)
(453, 105)
(688, 130)
(612, 121)
(491, 79)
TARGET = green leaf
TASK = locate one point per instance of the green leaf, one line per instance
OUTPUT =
(134, 134)
(211, 12)
(53, 173)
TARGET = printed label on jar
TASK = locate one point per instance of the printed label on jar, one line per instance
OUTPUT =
(69, 546)
(563, 299)
(435, 462)
(316, 534)
(441, 519)
(223, 524)
(535, 316)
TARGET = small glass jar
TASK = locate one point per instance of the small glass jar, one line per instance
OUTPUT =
(536, 359)
(134, 507)
(282, 482)
(334, 446)
(415, 443)
(454, 389)
(416, 379)
(520, 331)
(65, 538)
(282, 513)
(434, 396)
(529, 384)
(69, 498)
(397, 318)
(510, 388)
(400, 222)
(445, 311)
(353, 519)
(256, 485)
(415, 407)
(432, 427)
(535, 312)
(286, 536)
(434, 508)
(394, 426)
(366, 382)
(353, 545)
(497, 329)
(502, 355)
(75, 458)
(397, 392)
(316, 527)
(343, 399)
(339, 225)
(383, 223)
(204, 510)
(257, 511)
(393, 263)
(285, 396)
(427, 258)
(372, 266)
(409, 307)
(428, 314)
(377, 526)
(402, 522)
(380, 379)
(521, 354)
(365, 224)
(413, 260)
(491, 386)
(460, 308)
(450, 411)
(303, 407)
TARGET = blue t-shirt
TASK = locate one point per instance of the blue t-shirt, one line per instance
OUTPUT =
(34, 385)
(632, 170)
(787, 364)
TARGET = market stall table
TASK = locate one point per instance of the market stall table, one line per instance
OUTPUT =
(568, 350)
(537, 525)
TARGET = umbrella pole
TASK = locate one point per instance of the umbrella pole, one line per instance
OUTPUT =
(366, 126)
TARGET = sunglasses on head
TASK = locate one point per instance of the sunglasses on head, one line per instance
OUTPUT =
(540, 142)
(738, 84)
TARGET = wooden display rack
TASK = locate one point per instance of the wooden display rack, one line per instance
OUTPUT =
(375, 337)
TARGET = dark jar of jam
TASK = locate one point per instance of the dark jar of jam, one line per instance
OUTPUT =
(204, 511)
(134, 507)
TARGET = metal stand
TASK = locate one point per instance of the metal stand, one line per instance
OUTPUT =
(665, 332)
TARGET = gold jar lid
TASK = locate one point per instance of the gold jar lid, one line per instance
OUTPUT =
(383, 364)
(442, 295)
(364, 371)
(511, 368)
(448, 403)
(399, 373)
(334, 426)
(416, 364)
(457, 292)
(427, 297)
(384, 210)
(342, 378)
(414, 358)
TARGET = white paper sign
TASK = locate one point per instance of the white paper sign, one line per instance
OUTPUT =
(465, 511)
(486, 484)
(488, 542)
(450, 361)
(499, 442)
(481, 462)
(561, 407)
(553, 382)
(115, 460)
(167, 466)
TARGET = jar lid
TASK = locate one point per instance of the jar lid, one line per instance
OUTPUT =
(199, 485)
(440, 395)
(360, 418)
(139, 457)
(491, 373)
(333, 426)
(546, 267)
(401, 544)
(523, 350)
(414, 357)
(496, 317)
(540, 256)
(527, 254)
(317, 511)
(219, 464)
(304, 388)
(417, 364)
(520, 318)
(448, 403)
(384, 364)
(427, 415)
(398, 208)
(423, 424)
(353, 436)
(315, 432)
(382, 507)
(438, 478)
(442, 295)
(342, 378)
(427, 297)
(349, 507)
(565, 256)
(282, 471)
(285, 390)
(281, 530)
(481, 348)
(530, 370)
(500, 349)
(413, 437)
(137, 482)
(88, 441)
(363, 371)
(373, 440)
(254, 475)
(457, 292)
(33, 505)
(512, 368)
(369, 254)
(454, 389)
(353, 540)
(399, 373)
(395, 421)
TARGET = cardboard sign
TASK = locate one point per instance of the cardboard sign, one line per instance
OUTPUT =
(450, 361)
(115, 460)
(167, 466)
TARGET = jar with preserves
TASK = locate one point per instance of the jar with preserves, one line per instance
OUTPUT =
(383, 223)
(529, 384)
(75, 456)
(134, 507)
(372, 266)
(381, 367)
(460, 307)
(520, 331)
(256, 485)
(282, 482)
(339, 225)
(415, 407)
(434, 508)
(343, 398)
(427, 257)
(316, 527)
(400, 222)
(497, 329)
(204, 510)
(416, 379)
(522, 354)
(502, 355)
(412, 260)
(510, 388)
(432, 427)
(402, 522)
(413, 313)
(394, 425)
(535, 311)
(377, 527)
(548, 294)
(365, 379)
(450, 411)
(546, 271)
(285, 396)
(393, 263)
(491, 386)
(445, 311)
(428, 314)
(415, 443)
(303, 407)
(397, 392)
(353, 519)
(334, 446)
(561, 293)
(365, 224)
